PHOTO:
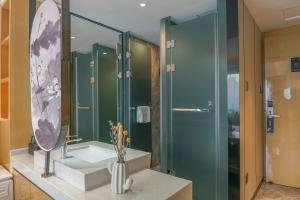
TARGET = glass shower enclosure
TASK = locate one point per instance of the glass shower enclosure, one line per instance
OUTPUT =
(194, 102)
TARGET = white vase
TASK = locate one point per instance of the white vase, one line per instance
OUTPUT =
(120, 183)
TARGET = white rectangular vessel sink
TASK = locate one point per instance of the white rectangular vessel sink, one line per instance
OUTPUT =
(86, 164)
(92, 153)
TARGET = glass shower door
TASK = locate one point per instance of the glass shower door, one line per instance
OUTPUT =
(193, 134)
(83, 76)
(107, 89)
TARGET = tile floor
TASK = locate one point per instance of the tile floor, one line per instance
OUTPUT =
(277, 192)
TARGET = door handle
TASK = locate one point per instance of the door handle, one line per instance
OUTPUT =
(80, 107)
(135, 108)
(200, 110)
(274, 116)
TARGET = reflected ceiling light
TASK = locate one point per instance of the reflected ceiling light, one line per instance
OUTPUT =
(292, 18)
(73, 37)
(143, 5)
(291, 13)
(104, 53)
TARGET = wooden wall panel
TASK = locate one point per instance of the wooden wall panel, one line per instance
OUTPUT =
(242, 97)
(259, 108)
(250, 174)
(251, 104)
(155, 103)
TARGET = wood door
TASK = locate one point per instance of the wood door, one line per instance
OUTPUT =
(283, 88)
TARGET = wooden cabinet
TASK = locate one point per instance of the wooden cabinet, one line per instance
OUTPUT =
(21, 187)
(4, 81)
(4, 144)
(251, 104)
(4, 60)
(20, 115)
(25, 190)
(15, 119)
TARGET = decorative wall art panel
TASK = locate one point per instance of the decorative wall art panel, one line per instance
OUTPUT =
(45, 75)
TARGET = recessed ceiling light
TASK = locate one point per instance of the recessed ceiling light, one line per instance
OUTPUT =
(143, 5)
(73, 37)
(104, 53)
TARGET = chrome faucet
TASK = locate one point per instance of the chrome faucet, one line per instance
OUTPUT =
(65, 145)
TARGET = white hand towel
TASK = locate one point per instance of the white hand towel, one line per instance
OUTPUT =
(143, 114)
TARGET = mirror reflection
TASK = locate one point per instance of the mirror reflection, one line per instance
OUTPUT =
(95, 50)
(115, 77)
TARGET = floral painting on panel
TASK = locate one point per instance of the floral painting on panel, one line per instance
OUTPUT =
(45, 75)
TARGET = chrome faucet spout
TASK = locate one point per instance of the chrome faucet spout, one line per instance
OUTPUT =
(65, 145)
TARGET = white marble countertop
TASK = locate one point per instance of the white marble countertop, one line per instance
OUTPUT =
(148, 184)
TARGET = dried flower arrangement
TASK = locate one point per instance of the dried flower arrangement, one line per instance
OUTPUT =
(120, 139)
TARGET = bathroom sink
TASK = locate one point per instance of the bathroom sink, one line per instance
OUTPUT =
(86, 164)
(92, 153)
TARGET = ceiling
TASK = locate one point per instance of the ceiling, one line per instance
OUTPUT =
(127, 15)
(271, 14)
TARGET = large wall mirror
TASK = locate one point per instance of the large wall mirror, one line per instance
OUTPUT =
(112, 74)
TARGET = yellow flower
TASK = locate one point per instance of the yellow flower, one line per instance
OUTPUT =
(125, 132)
(115, 128)
(120, 125)
(128, 140)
